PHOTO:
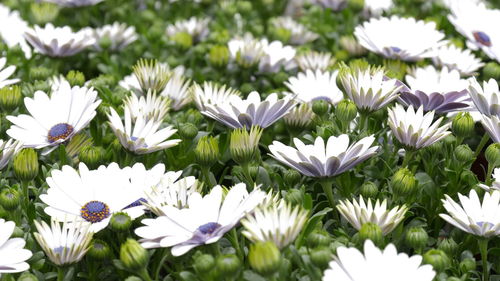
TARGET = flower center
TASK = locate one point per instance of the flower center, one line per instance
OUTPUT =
(59, 132)
(395, 49)
(482, 38)
(94, 211)
(481, 223)
(60, 250)
(208, 228)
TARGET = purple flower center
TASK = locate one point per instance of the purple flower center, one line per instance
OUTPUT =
(59, 132)
(208, 228)
(94, 211)
(395, 49)
(482, 38)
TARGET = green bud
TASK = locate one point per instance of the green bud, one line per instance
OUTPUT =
(264, 258)
(437, 258)
(244, 145)
(40, 73)
(133, 256)
(356, 5)
(292, 177)
(491, 70)
(75, 78)
(92, 156)
(188, 131)
(346, 111)
(281, 34)
(228, 265)
(321, 256)
(369, 190)
(9, 199)
(3, 213)
(403, 182)
(44, 12)
(449, 246)
(416, 237)
(26, 276)
(99, 250)
(492, 154)
(320, 107)
(463, 153)
(318, 238)
(467, 265)
(341, 55)
(193, 116)
(10, 98)
(450, 140)
(204, 263)
(395, 68)
(25, 164)
(280, 77)
(463, 125)
(294, 196)
(207, 151)
(219, 55)
(371, 231)
(247, 88)
(120, 222)
(183, 39)
(435, 148)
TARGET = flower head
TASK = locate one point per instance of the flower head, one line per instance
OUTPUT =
(151, 75)
(335, 5)
(177, 90)
(211, 94)
(492, 126)
(74, 3)
(276, 56)
(495, 185)
(299, 34)
(5, 73)
(196, 28)
(375, 8)
(12, 28)
(150, 107)
(118, 34)
(455, 58)
(315, 85)
(314, 61)
(13, 255)
(486, 98)
(246, 51)
(7, 150)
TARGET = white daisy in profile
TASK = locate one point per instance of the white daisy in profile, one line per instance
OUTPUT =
(64, 244)
(335, 5)
(314, 61)
(206, 220)
(54, 119)
(119, 35)
(352, 46)
(350, 264)
(58, 41)
(455, 58)
(95, 195)
(299, 117)
(299, 34)
(358, 213)
(320, 160)
(375, 8)
(74, 3)
(150, 107)
(487, 97)
(472, 216)
(177, 90)
(131, 83)
(280, 224)
(12, 28)
(7, 150)
(439, 90)
(414, 129)
(197, 28)
(6, 72)
(151, 75)
(141, 135)
(492, 126)
(276, 56)
(315, 85)
(13, 256)
(240, 113)
(495, 185)
(246, 51)
(400, 38)
(211, 94)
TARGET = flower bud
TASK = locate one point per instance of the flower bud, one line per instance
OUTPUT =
(320, 107)
(219, 55)
(204, 263)
(371, 231)
(44, 12)
(463, 125)
(437, 258)
(105, 42)
(92, 156)
(244, 145)
(294, 196)
(247, 88)
(346, 111)
(491, 70)
(26, 276)
(435, 148)
(99, 250)
(280, 77)
(403, 182)
(133, 256)
(318, 238)
(369, 190)
(75, 78)
(463, 153)
(450, 140)
(416, 237)
(264, 258)
(40, 73)
(9, 199)
(228, 265)
(183, 39)
(449, 246)
(25, 164)
(207, 151)
(10, 98)
(356, 5)
(468, 264)
(321, 257)
(492, 154)
(120, 222)
(188, 131)
(292, 177)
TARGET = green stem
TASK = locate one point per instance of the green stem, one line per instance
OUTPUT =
(60, 273)
(164, 257)
(143, 273)
(62, 155)
(215, 249)
(488, 175)
(483, 248)
(248, 177)
(408, 156)
(236, 244)
(327, 185)
(481, 145)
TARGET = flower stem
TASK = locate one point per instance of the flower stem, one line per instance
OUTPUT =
(143, 273)
(481, 145)
(483, 248)
(408, 156)
(62, 155)
(236, 244)
(488, 179)
(60, 273)
(326, 184)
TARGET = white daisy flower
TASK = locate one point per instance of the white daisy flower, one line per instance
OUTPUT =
(374, 264)
(492, 126)
(152, 75)
(197, 28)
(54, 119)
(5, 73)
(375, 8)
(246, 51)
(455, 58)
(442, 91)
(400, 38)
(177, 90)
(495, 185)
(206, 220)
(314, 61)
(7, 150)
(336, 5)
(13, 256)
(369, 89)
(299, 34)
(150, 107)
(12, 28)
(472, 216)
(211, 93)
(315, 85)
(276, 56)
(74, 3)
(58, 41)
(239, 113)
(358, 213)
(414, 129)
(119, 34)
(280, 224)
(299, 117)
(486, 98)
(95, 195)
(318, 160)
(64, 244)
(131, 83)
